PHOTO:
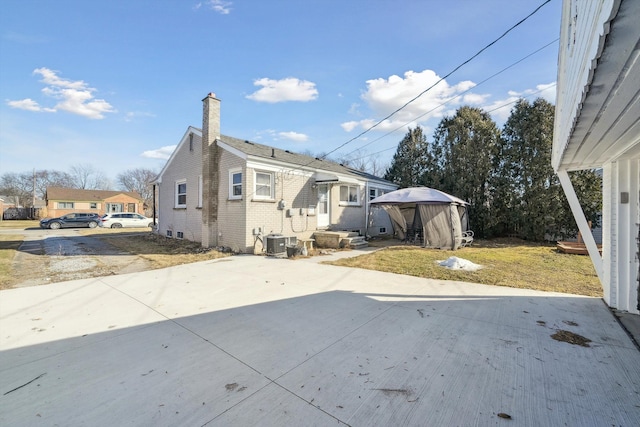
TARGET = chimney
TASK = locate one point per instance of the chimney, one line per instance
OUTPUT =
(210, 119)
(210, 169)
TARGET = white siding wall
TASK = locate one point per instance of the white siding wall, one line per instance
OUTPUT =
(620, 230)
(583, 29)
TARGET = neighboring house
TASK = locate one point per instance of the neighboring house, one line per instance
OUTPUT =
(223, 191)
(597, 125)
(61, 201)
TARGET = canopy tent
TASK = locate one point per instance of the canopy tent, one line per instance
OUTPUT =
(437, 218)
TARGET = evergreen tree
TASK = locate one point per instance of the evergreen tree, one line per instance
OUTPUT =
(528, 198)
(461, 161)
(408, 163)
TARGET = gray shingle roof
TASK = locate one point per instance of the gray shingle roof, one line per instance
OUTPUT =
(264, 151)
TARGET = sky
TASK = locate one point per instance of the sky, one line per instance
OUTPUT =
(115, 84)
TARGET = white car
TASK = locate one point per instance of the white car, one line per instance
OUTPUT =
(119, 220)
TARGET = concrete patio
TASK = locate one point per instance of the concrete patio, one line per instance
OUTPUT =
(263, 341)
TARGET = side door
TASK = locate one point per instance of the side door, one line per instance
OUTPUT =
(324, 204)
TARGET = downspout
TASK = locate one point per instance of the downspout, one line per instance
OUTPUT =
(366, 209)
(154, 205)
(583, 226)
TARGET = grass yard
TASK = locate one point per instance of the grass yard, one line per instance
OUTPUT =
(20, 223)
(510, 263)
(9, 244)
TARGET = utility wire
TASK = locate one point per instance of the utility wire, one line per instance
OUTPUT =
(454, 97)
(441, 79)
(490, 111)
(426, 90)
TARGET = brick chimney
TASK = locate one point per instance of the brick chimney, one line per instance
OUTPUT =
(210, 169)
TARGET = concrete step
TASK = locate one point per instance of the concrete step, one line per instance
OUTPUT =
(354, 242)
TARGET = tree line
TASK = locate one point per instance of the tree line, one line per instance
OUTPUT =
(22, 187)
(505, 174)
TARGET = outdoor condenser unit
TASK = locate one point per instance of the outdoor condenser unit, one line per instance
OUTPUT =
(276, 244)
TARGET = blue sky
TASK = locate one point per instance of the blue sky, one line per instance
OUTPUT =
(115, 84)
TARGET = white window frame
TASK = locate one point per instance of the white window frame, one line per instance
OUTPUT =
(233, 172)
(377, 191)
(200, 191)
(350, 202)
(65, 205)
(178, 194)
(272, 180)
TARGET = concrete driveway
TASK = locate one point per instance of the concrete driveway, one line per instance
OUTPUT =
(261, 341)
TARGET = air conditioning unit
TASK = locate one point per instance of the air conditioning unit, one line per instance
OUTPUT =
(276, 244)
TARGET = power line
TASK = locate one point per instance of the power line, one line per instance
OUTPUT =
(456, 96)
(440, 80)
(495, 109)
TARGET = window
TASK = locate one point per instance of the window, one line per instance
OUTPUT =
(180, 235)
(264, 186)
(235, 184)
(349, 194)
(376, 192)
(131, 207)
(65, 205)
(181, 194)
(93, 206)
(200, 191)
(169, 233)
(114, 207)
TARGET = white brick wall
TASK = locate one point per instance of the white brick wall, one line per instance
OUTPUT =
(185, 164)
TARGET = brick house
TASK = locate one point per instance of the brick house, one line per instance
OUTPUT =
(224, 191)
(61, 201)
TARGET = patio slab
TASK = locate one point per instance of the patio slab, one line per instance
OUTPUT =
(263, 341)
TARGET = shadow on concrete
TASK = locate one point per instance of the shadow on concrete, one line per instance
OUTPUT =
(192, 355)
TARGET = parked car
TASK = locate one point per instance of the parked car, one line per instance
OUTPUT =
(119, 220)
(72, 220)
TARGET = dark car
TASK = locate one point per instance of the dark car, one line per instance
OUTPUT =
(72, 220)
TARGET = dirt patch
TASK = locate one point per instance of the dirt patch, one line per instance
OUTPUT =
(41, 261)
(571, 338)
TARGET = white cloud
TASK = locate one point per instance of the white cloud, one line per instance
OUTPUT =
(384, 96)
(288, 89)
(349, 126)
(75, 97)
(220, 6)
(501, 109)
(161, 153)
(294, 136)
(29, 105)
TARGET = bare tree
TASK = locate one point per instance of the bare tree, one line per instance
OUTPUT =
(18, 186)
(86, 177)
(51, 178)
(138, 180)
